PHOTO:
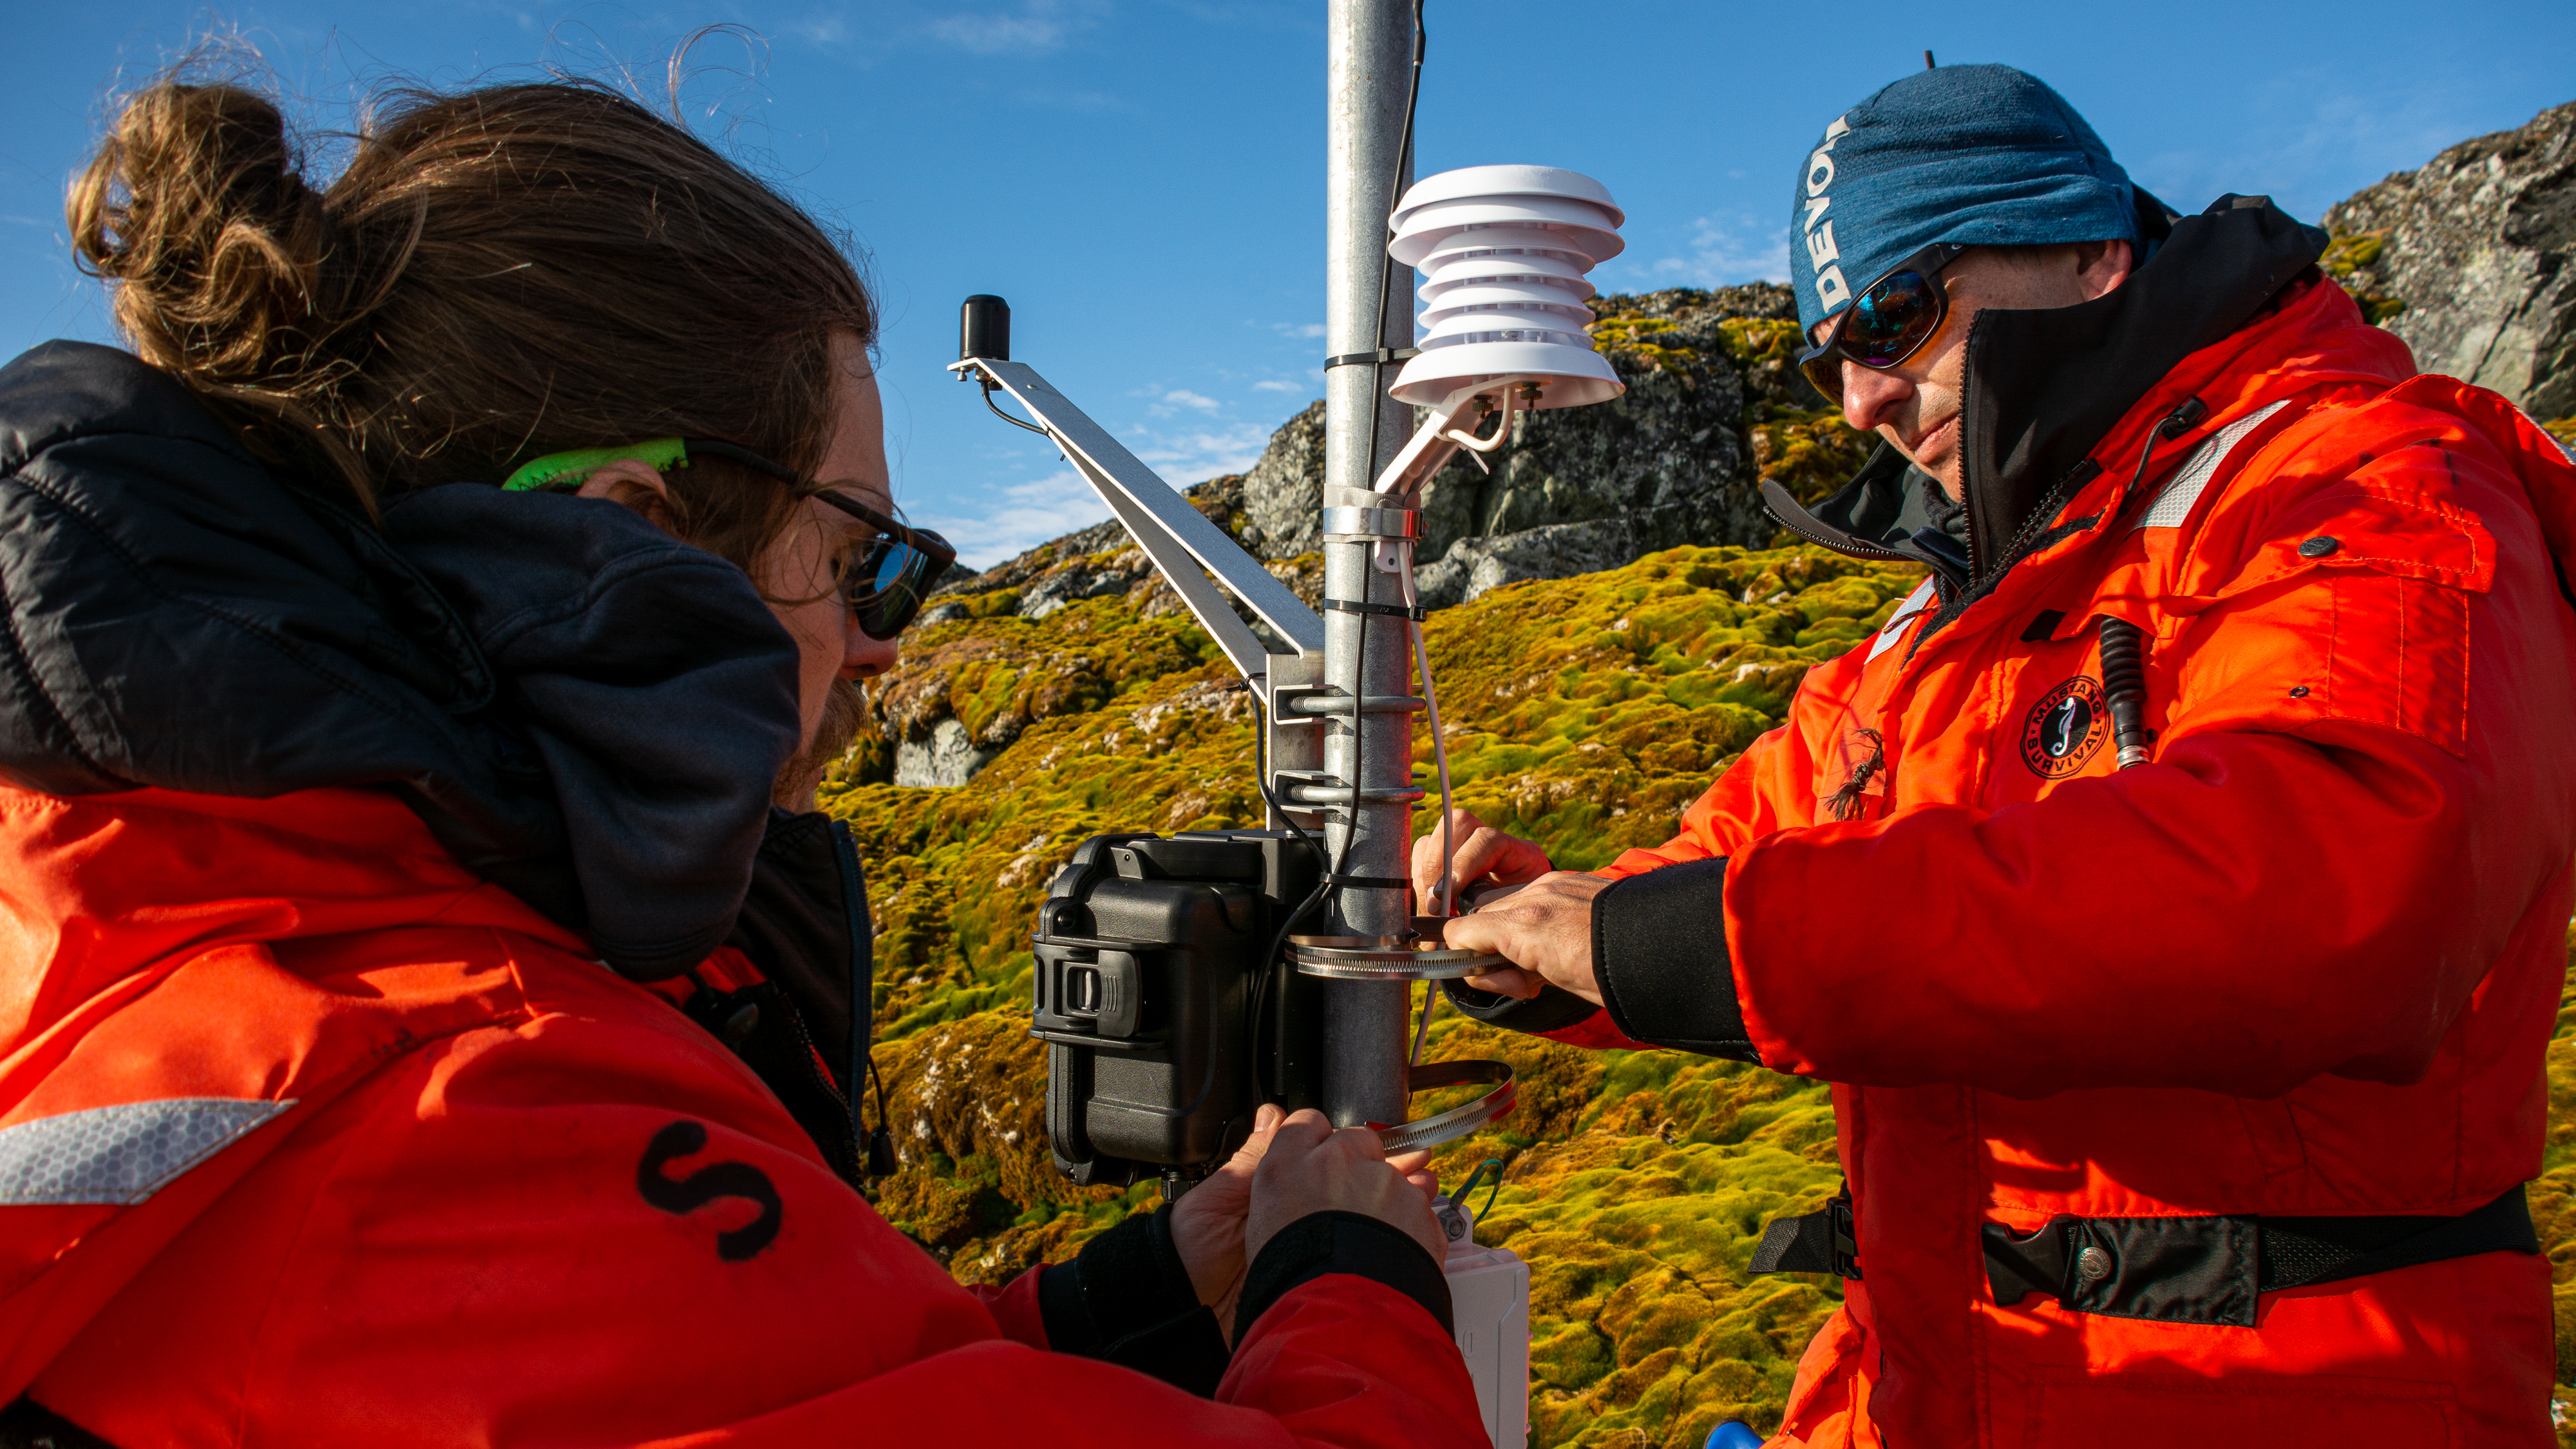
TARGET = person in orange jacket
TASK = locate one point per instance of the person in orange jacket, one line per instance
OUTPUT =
(2175, 887)
(428, 1015)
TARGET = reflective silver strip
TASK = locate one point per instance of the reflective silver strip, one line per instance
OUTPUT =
(1915, 603)
(120, 1154)
(2174, 504)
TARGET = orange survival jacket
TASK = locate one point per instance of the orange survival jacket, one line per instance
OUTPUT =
(331, 1110)
(2301, 965)
(395, 1163)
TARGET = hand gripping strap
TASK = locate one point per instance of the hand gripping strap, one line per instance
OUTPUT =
(1553, 1009)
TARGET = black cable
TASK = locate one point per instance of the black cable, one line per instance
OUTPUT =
(1261, 776)
(1006, 417)
(1403, 158)
(1323, 882)
(1377, 405)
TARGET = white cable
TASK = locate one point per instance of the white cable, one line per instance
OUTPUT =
(1439, 746)
(1503, 251)
(1422, 1034)
(1440, 757)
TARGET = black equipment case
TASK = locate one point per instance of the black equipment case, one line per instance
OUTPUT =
(1168, 1009)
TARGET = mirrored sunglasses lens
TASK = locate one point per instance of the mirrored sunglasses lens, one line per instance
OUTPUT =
(1890, 320)
(887, 593)
(892, 563)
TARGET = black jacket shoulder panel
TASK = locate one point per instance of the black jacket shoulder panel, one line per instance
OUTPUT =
(579, 707)
(2044, 385)
(60, 390)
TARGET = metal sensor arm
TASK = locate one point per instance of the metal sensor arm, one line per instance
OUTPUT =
(1439, 438)
(1185, 547)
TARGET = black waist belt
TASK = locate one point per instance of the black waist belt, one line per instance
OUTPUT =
(1821, 1242)
(2176, 1269)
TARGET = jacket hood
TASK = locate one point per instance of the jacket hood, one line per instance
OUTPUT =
(2043, 387)
(579, 708)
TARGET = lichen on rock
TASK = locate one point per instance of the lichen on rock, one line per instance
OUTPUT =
(2471, 258)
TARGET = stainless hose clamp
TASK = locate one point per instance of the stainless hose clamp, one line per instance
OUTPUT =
(1372, 523)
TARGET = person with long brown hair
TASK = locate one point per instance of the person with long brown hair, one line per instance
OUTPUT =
(430, 1011)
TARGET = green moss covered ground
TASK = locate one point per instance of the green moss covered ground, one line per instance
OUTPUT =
(1583, 713)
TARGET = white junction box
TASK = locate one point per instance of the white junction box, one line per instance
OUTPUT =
(1489, 1295)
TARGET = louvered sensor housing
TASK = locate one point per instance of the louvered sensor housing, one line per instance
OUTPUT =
(1503, 252)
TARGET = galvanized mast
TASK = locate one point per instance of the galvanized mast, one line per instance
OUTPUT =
(1367, 657)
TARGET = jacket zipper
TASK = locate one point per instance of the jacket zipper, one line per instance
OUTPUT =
(2185, 414)
(1846, 544)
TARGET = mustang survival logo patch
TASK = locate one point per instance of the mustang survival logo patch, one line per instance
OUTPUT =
(2065, 729)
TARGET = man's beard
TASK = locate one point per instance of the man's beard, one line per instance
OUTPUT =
(845, 713)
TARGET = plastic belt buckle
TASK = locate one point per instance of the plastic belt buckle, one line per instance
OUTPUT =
(1846, 1241)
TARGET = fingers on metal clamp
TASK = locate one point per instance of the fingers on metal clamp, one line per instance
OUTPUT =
(1451, 1125)
(1385, 958)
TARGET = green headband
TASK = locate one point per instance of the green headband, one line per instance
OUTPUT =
(573, 465)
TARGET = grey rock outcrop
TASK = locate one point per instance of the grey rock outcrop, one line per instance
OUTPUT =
(1282, 493)
(947, 759)
(1579, 489)
(1072, 586)
(1472, 566)
(2468, 259)
(1667, 460)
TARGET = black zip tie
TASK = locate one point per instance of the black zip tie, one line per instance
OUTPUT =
(1371, 882)
(1398, 611)
(1381, 357)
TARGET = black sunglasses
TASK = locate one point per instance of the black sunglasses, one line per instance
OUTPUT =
(1887, 323)
(888, 585)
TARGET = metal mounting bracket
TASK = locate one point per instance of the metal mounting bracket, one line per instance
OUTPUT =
(1185, 547)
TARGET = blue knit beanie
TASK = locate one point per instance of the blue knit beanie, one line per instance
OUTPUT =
(1981, 154)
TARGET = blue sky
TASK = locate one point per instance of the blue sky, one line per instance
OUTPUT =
(1143, 179)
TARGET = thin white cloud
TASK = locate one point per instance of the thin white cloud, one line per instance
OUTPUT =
(1024, 515)
(1059, 99)
(2309, 146)
(1272, 384)
(1298, 329)
(1181, 397)
(1034, 27)
(1028, 514)
(823, 29)
(1184, 458)
(1724, 250)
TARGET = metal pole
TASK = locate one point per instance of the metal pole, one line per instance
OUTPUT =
(1371, 48)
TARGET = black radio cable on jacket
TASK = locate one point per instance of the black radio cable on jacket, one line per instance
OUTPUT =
(2124, 645)
(2124, 687)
